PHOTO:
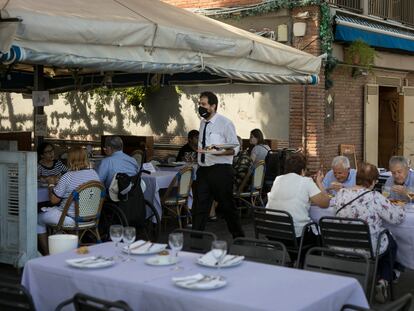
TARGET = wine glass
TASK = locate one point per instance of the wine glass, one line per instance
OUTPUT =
(116, 232)
(410, 193)
(386, 191)
(175, 241)
(129, 237)
(219, 251)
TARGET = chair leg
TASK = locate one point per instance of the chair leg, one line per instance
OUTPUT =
(178, 212)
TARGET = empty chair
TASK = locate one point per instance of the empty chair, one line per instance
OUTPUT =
(270, 252)
(278, 226)
(175, 199)
(197, 241)
(88, 199)
(15, 298)
(82, 302)
(401, 304)
(250, 193)
(338, 262)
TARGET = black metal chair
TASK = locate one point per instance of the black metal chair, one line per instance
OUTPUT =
(276, 225)
(82, 302)
(15, 298)
(401, 304)
(263, 251)
(197, 241)
(331, 261)
(352, 234)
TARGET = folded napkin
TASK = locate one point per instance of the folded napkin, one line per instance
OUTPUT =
(229, 260)
(90, 262)
(199, 281)
(144, 247)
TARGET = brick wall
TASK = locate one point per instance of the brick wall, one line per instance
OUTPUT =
(210, 3)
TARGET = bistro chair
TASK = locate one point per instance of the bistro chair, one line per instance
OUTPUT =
(276, 225)
(352, 235)
(250, 194)
(88, 199)
(138, 155)
(263, 251)
(15, 298)
(331, 261)
(82, 302)
(401, 304)
(175, 199)
(197, 241)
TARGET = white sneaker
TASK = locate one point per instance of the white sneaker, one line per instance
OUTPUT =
(381, 291)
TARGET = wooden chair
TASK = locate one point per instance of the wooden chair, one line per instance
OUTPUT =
(249, 194)
(197, 241)
(350, 235)
(88, 199)
(82, 302)
(15, 298)
(263, 251)
(331, 261)
(176, 196)
(138, 155)
(276, 225)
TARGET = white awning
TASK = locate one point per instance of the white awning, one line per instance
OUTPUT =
(149, 36)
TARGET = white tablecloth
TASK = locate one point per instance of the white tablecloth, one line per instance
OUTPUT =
(154, 182)
(251, 286)
(42, 194)
(403, 233)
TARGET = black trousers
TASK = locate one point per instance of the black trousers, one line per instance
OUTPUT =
(216, 183)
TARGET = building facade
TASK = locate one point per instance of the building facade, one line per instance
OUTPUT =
(361, 102)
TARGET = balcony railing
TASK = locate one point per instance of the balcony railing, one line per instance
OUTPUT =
(398, 10)
(353, 5)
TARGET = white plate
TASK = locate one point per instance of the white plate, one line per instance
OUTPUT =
(179, 163)
(228, 262)
(145, 249)
(156, 261)
(205, 282)
(92, 262)
(227, 146)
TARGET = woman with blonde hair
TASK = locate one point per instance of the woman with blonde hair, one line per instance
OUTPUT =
(79, 173)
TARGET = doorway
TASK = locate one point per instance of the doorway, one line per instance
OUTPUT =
(388, 125)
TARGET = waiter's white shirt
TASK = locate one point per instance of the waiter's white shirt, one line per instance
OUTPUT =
(220, 130)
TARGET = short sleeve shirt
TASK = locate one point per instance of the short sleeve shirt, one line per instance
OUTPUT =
(292, 193)
(58, 168)
(259, 152)
(69, 182)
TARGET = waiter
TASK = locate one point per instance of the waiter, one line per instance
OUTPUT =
(215, 174)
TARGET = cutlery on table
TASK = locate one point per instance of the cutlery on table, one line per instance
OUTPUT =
(138, 246)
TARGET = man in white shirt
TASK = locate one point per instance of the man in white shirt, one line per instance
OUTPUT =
(215, 173)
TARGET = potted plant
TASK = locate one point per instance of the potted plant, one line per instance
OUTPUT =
(361, 54)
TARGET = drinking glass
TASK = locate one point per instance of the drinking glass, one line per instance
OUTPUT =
(410, 192)
(219, 251)
(175, 241)
(386, 191)
(115, 232)
(129, 237)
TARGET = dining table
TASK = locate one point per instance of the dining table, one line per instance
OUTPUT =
(403, 233)
(249, 286)
(42, 193)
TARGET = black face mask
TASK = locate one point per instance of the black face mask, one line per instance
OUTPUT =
(203, 112)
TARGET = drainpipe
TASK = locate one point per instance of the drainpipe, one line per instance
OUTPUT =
(365, 7)
(305, 120)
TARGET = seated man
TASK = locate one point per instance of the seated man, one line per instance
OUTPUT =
(119, 162)
(190, 148)
(340, 176)
(401, 180)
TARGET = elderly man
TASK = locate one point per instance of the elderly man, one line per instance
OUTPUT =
(116, 162)
(340, 176)
(401, 181)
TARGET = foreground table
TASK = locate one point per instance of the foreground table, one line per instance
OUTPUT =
(251, 286)
(403, 233)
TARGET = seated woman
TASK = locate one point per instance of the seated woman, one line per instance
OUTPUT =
(78, 174)
(294, 193)
(259, 149)
(48, 169)
(374, 209)
(241, 165)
